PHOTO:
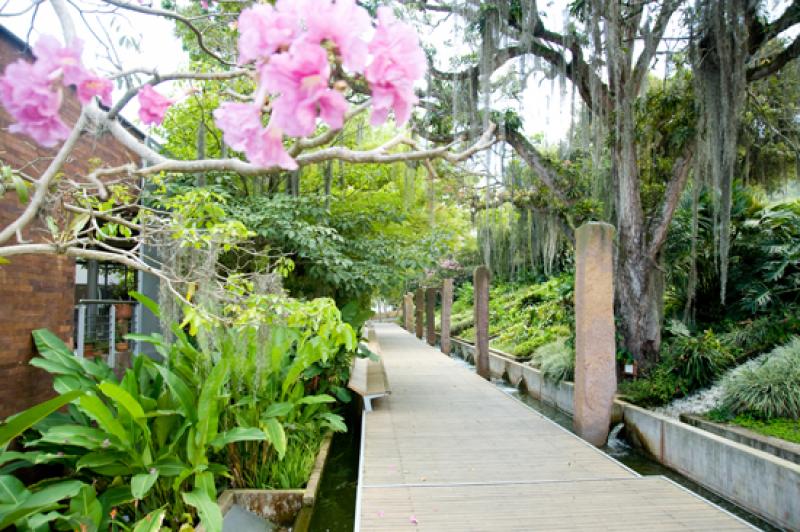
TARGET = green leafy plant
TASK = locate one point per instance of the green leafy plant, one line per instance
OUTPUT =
(556, 360)
(660, 387)
(697, 359)
(768, 388)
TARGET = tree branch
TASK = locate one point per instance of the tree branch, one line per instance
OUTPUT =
(174, 16)
(536, 162)
(680, 174)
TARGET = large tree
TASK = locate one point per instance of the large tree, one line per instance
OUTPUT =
(607, 50)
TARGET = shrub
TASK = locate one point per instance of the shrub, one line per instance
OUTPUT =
(526, 348)
(458, 327)
(766, 388)
(697, 359)
(659, 388)
(556, 360)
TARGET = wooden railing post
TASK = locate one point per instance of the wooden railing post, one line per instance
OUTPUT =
(419, 310)
(481, 287)
(447, 306)
(430, 315)
(408, 312)
(595, 375)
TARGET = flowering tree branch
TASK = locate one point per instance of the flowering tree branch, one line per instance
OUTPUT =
(304, 65)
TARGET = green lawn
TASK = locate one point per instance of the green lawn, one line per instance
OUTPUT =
(784, 428)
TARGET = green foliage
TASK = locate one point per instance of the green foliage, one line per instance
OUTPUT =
(556, 360)
(697, 360)
(659, 388)
(252, 406)
(767, 388)
(783, 428)
(522, 317)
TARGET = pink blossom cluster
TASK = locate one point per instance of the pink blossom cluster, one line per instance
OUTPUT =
(152, 105)
(32, 92)
(293, 45)
(449, 264)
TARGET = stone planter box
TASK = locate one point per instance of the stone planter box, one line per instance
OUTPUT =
(287, 509)
(780, 448)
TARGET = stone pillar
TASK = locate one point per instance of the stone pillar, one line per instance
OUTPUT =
(447, 305)
(419, 310)
(430, 315)
(481, 288)
(408, 312)
(595, 372)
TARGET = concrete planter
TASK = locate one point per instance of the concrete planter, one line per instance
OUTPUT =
(290, 509)
(780, 448)
(758, 481)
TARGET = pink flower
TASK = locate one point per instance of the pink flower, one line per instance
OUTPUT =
(343, 23)
(240, 123)
(58, 60)
(269, 151)
(242, 130)
(152, 105)
(301, 77)
(264, 29)
(27, 94)
(398, 61)
(92, 86)
(413, 520)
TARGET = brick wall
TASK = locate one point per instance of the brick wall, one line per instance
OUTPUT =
(37, 291)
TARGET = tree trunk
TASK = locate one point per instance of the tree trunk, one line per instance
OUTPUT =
(639, 301)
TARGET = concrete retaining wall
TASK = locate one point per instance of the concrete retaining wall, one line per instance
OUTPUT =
(764, 484)
(758, 481)
(780, 448)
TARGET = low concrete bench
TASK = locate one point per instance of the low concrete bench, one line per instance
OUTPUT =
(367, 376)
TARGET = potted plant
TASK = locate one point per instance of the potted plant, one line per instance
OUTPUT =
(123, 311)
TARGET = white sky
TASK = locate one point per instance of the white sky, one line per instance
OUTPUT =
(159, 48)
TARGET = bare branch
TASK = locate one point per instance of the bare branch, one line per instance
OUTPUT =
(174, 16)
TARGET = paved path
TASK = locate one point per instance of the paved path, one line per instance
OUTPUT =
(449, 451)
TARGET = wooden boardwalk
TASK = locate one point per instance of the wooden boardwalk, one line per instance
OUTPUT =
(449, 451)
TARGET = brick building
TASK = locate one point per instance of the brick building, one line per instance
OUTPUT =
(38, 291)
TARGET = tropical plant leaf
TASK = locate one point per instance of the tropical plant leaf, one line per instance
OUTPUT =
(207, 508)
(98, 411)
(275, 435)
(85, 508)
(151, 305)
(238, 434)
(334, 421)
(277, 410)
(124, 399)
(45, 499)
(316, 399)
(180, 390)
(142, 483)
(19, 423)
(12, 491)
(151, 522)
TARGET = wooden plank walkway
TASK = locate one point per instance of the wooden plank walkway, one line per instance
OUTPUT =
(447, 450)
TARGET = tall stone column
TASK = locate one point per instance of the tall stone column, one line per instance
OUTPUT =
(408, 312)
(595, 375)
(481, 288)
(430, 316)
(419, 310)
(447, 306)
